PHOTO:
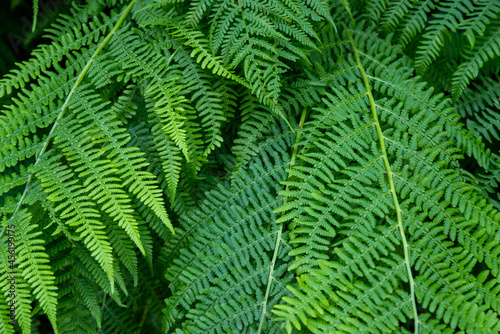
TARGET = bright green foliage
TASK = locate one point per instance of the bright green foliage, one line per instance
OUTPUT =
(350, 205)
(244, 166)
(485, 48)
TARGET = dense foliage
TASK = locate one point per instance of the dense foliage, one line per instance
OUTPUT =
(253, 166)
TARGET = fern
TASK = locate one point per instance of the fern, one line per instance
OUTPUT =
(481, 18)
(486, 47)
(237, 238)
(350, 205)
(453, 13)
(277, 166)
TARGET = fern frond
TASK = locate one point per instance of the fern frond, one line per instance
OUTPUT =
(375, 8)
(159, 145)
(127, 160)
(451, 14)
(257, 122)
(198, 9)
(78, 307)
(253, 34)
(9, 182)
(487, 123)
(478, 97)
(87, 266)
(470, 142)
(32, 265)
(22, 301)
(35, 14)
(205, 100)
(397, 10)
(141, 62)
(11, 156)
(22, 297)
(415, 21)
(349, 254)
(100, 182)
(75, 299)
(77, 207)
(5, 326)
(237, 223)
(321, 9)
(228, 95)
(70, 33)
(487, 47)
(479, 20)
(196, 40)
(136, 316)
(124, 249)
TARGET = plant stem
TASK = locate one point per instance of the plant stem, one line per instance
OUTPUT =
(280, 231)
(389, 177)
(66, 102)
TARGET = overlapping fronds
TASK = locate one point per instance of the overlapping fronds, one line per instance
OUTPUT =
(232, 270)
(378, 147)
(247, 166)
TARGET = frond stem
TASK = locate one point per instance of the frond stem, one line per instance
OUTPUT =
(66, 102)
(373, 107)
(280, 231)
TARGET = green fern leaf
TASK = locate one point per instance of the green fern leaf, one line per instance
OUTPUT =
(415, 21)
(32, 265)
(344, 215)
(453, 13)
(126, 159)
(77, 208)
(486, 48)
(476, 25)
